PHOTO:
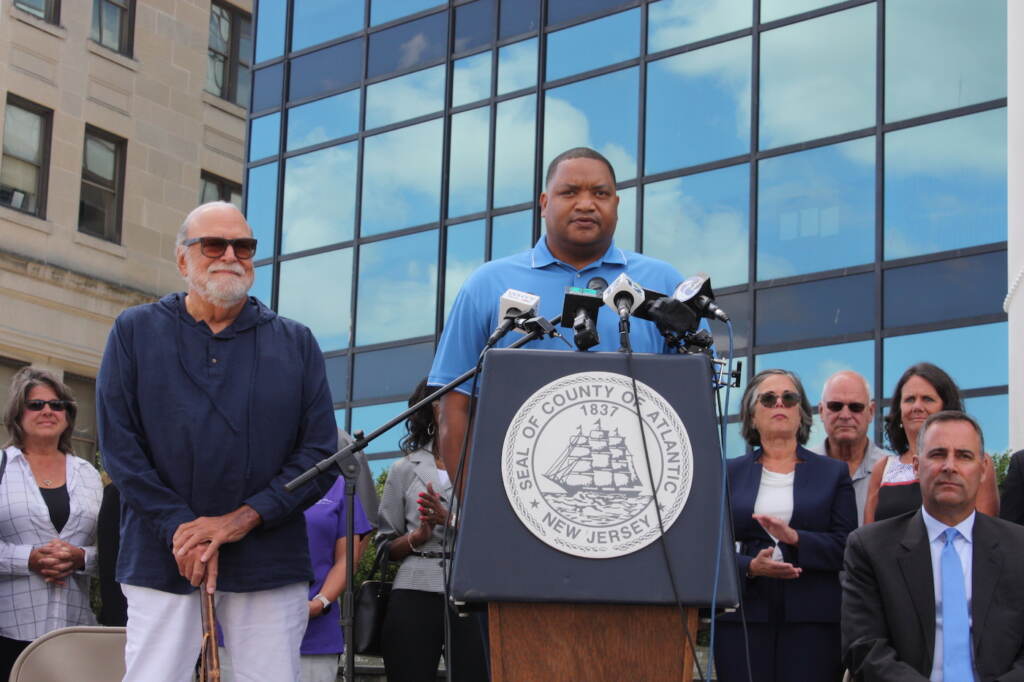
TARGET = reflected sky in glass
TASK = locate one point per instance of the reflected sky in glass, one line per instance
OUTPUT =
(415, 94)
(270, 29)
(332, 68)
(402, 178)
(777, 9)
(474, 25)
(386, 10)
(339, 418)
(823, 308)
(818, 77)
(397, 288)
(625, 229)
(699, 223)
(975, 357)
(566, 10)
(677, 22)
(517, 66)
(816, 210)
(945, 185)
(465, 253)
(698, 106)
(992, 412)
(266, 87)
(594, 44)
(320, 21)
(513, 151)
(319, 198)
(511, 233)
(942, 55)
(264, 136)
(471, 79)
(316, 291)
(467, 171)
(336, 368)
(261, 206)
(409, 45)
(372, 417)
(517, 17)
(583, 115)
(390, 371)
(263, 283)
(325, 119)
(734, 443)
(815, 365)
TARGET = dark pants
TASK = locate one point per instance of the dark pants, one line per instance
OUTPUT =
(808, 652)
(9, 650)
(413, 639)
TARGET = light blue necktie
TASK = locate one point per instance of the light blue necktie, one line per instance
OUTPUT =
(956, 629)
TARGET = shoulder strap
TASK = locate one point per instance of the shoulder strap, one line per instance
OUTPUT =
(3, 464)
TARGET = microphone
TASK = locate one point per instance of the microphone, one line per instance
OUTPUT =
(579, 311)
(513, 305)
(623, 296)
(696, 291)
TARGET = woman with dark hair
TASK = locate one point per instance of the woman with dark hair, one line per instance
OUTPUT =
(923, 390)
(791, 512)
(49, 500)
(413, 516)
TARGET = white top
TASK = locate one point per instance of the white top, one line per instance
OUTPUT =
(963, 543)
(442, 478)
(775, 498)
(29, 606)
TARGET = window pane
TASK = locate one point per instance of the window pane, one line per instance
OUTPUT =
(677, 22)
(243, 88)
(328, 276)
(945, 185)
(101, 158)
(960, 287)
(402, 178)
(372, 417)
(261, 205)
(511, 233)
(816, 210)
(36, 7)
(471, 79)
(955, 350)
(264, 136)
(394, 371)
(567, 10)
(220, 29)
(402, 272)
(738, 307)
(208, 191)
(382, 11)
(698, 106)
(465, 253)
(992, 412)
(325, 119)
(625, 229)
(270, 29)
(829, 307)
(263, 282)
(111, 30)
(584, 115)
(266, 87)
(572, 50)
(474, 25)
(318, 22)
(329, 175)
(777, 9)
(97, 212)
(700, 223)
(513, 151)
(407, 46)
(818, 77)
(943, 54)
(405, 97)
(333, 68)
(467, 173)
(517, 66)
(216, 74)
(815, 365)
(23, 134)
(517, 17)
(337, 379)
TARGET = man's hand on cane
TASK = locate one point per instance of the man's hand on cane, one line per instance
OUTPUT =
(193, 568)
(214, 530)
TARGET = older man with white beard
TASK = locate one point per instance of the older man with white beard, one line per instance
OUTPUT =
(209, 402)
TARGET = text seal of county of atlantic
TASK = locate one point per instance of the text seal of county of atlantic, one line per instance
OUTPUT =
(574, 467)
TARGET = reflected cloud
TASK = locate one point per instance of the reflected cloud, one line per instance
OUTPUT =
(467, 173)
(319, 198)
(517, 66)
(410, 96)
(329, 275)
(513, 150)
(402, 178)
(397, 288)
(471, 79)
(678, 22)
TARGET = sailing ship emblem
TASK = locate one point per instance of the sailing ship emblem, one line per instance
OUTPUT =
(596, 461)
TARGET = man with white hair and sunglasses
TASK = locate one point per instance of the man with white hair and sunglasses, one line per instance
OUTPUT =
(209, 402)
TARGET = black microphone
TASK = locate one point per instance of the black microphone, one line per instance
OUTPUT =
(579, 311)
(696, 292)
(598, 284)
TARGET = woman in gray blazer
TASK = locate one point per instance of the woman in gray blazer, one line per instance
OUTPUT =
(413, 515)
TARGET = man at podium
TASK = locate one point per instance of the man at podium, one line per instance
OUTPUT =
(580, 210)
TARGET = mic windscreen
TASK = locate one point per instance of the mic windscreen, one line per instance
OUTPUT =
(598, 284)
(517, 303)
(623, 289)
(576, 299)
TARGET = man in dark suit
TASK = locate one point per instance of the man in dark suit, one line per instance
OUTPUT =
(1011, 496)
(935, 594)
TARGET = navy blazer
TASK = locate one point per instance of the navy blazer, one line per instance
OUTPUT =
(824, 513)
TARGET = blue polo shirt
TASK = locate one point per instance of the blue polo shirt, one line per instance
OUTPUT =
(474, 314)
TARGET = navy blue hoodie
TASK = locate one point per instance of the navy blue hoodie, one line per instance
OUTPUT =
(193, 423)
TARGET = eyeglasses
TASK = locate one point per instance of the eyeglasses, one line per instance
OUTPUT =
(214, 247)
(55, 405)
(836, 406)
(769, 399)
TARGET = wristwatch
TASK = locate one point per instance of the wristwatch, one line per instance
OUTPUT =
(323, 600)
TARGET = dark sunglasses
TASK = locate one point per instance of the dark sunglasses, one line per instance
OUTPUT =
(769, 399)
(836, 406)
(214, 247)
(55, 405)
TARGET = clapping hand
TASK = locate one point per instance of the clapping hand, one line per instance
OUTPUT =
(764, 566)
(778, 529)
(432, 509)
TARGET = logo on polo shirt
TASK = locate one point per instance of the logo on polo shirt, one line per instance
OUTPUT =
(575, 469)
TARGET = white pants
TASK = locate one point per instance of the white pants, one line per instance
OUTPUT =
(264, 630)
(315, 667)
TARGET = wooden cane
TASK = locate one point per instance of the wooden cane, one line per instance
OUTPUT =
(209, 657)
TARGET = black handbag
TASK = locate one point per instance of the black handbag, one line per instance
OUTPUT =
(371, 605)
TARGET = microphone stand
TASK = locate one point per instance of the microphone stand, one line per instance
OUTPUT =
(349, 466)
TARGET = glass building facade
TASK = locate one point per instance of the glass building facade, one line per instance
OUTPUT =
(839, 169)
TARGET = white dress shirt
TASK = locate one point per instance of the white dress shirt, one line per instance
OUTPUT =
(964, 546)
(775, 498)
